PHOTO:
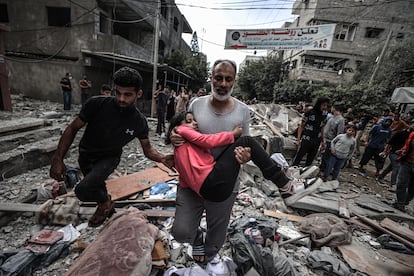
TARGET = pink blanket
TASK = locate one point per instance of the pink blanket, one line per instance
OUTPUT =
(122, 248)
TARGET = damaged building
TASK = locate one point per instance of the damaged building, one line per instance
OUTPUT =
(362, 28)
(49, 38)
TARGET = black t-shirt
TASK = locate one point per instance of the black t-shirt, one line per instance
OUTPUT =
(314, 121)
(397, 141)
(66, 81)
(109, 127)
(162, 101)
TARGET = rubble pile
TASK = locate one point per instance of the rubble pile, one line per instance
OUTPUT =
(345, 227)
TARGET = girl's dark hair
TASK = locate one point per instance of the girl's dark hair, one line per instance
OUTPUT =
(319, 102)
(174, 122)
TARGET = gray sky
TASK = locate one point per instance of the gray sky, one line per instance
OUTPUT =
(210, 19)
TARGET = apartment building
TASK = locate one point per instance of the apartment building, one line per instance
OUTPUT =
(48, 38)
(362, 27)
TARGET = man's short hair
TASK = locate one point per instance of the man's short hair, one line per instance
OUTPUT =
(128, 77)
(105, 87)
(231, 62)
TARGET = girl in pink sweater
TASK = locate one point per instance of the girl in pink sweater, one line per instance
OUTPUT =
(214, 179)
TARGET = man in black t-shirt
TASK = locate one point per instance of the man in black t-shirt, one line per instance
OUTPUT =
(66, 86)
(111, 122)
(310, 132)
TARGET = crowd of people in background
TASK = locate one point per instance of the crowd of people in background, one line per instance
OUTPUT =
(338, 136)
(334, 131)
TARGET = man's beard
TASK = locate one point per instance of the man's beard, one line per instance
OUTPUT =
(221, 98)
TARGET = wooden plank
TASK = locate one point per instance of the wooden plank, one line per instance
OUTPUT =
(386, 231)
(398, 229)
(128, 185)
(280, 215)
(166, 169)
(370, 262)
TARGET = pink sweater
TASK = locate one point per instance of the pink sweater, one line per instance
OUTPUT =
(193, 160)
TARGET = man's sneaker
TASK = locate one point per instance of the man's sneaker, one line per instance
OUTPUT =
(298, 188)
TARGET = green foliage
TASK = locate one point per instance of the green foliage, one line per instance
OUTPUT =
(396, 68)
(262, 79)
(358, 96)
(194, 66)
(295, 91)
(258, 78)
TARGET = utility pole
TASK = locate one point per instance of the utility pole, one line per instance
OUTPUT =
(377, 65)
(155, 57)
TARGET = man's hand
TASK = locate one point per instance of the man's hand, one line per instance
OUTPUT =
(323, 146)
(58, 170)
(242, 154)
(168, 161)
(176, 139)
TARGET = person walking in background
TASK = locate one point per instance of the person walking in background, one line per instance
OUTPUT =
(111, 123)
(342, 148)
(398, 123)
(182, 100)
(171, 104)
(364, 119)
(161, 96)
(106, 90)
(378, 136)
(86, 89)
(405, 178)
(66, 86)
(334, 127)
(396, 142)
(310, 132)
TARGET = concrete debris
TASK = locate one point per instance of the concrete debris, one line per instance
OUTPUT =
(358, 204)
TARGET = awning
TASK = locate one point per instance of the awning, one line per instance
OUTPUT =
(403, 95)
(110, 57)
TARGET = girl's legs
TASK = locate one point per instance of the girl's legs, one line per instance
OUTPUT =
(220, 182)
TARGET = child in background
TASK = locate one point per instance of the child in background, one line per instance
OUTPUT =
(342, 148)
(214, 179)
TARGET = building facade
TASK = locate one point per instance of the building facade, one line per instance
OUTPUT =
(362, 27)
(49, 38)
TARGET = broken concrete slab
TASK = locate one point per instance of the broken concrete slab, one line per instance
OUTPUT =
(15, 140)
(328, 202)
(27, 157)
(372, 262)
(21, 124)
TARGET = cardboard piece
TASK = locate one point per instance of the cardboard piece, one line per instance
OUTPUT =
(128, 185)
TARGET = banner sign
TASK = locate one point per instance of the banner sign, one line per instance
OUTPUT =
(315, 37)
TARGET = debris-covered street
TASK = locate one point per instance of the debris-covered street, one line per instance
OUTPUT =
(345, 227)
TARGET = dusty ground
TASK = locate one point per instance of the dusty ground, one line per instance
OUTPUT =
(15, 234)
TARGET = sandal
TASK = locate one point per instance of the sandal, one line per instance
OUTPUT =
(198, 253)
(104, 210)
